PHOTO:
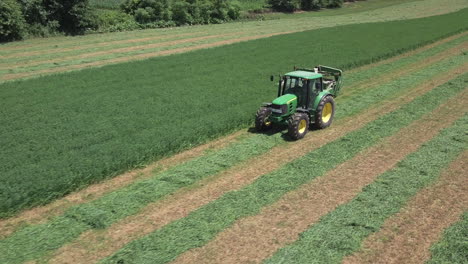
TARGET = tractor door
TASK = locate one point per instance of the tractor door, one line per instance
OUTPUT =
(316, 86)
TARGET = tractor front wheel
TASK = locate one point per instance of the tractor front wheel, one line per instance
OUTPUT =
(298, 126)
(261, 119)
(325, 112)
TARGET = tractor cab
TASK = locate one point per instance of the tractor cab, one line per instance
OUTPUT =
(303, 84)
(305, 94)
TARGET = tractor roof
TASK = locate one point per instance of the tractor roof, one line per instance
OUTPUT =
(304, 74)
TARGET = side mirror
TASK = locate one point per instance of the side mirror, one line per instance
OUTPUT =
(272, 78)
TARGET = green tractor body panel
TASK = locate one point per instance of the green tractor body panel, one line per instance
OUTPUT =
(302, 91)
(283, 107)
(285, 99)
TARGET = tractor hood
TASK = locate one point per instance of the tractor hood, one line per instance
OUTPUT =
(284, 99)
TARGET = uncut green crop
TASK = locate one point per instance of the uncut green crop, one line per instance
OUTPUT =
(202, 225)
(341, 232)
(453, 246)
(60, 133)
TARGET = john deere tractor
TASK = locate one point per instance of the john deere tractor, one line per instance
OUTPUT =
(305, 98)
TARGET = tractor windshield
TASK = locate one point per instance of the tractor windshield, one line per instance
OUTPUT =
(298, 87)
(294, 85)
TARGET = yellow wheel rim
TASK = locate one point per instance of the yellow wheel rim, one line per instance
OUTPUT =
(302, 126)
(267, 123)
(327, 112)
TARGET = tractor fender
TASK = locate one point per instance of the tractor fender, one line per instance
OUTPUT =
(319, 98)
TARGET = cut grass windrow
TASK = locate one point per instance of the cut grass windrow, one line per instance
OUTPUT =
(453, 246)
(202, 225)
(159, 214)
(407, 236)
(40, 214)
(341, 232)
(133, 48)
(256, 238)
(42, 233)
(90, 47)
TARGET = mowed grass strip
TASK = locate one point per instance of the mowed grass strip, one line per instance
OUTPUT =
(407, 236)
(26, 244)
(255, 238)
(452, 247)
(158, 214)
(204, 224)
(105, 54)
(341, 232)
(29, 55)
(116, 114)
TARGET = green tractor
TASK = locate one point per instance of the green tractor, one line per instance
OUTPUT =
(305, 97)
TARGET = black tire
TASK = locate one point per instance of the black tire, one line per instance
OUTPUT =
(297, 129)
(261, 119)
(324, 115)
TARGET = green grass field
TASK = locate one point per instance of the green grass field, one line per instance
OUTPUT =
(115, 206)
(125, 115)
(399, 133)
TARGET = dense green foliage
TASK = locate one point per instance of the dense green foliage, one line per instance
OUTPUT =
(107, 4)
(202, 225)
(341, 232)
(85, 126)
(292, 5)
(453, 247)
(44, 17)
(181, 12)
(12, 24)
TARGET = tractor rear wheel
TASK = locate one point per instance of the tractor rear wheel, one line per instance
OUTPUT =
(298, 125)
(261, 119)
(325, 112)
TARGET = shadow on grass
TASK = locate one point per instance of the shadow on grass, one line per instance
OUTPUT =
(278, 129)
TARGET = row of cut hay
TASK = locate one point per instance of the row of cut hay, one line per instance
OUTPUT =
(341, 232)
(408, 235)
(452, 247)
